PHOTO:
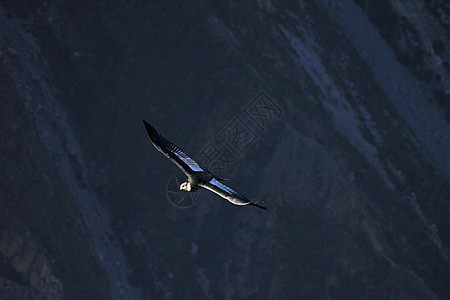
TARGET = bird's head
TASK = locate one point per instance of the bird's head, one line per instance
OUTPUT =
(185, 186)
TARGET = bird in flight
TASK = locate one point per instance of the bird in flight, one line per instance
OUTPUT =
(198, 177)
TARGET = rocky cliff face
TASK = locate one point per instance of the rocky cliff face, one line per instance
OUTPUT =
(333, 113)
(45, 249)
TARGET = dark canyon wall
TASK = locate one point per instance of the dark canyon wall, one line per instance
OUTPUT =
(333, 114)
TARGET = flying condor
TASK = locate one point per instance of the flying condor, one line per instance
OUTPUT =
(198, 177)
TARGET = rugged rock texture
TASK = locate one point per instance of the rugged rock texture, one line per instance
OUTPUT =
(45, 250)
(22, 261)
(347, 145)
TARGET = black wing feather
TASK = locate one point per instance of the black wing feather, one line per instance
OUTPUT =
(172, 151)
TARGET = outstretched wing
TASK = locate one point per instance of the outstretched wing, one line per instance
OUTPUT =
(172, 151)
(228, 193)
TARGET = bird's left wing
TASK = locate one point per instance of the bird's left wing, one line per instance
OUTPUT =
(228, 193)
(172, 151)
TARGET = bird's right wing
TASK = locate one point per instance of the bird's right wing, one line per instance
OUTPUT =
(172, 151)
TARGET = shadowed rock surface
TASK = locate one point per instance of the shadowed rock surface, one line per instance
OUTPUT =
(333, 114)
